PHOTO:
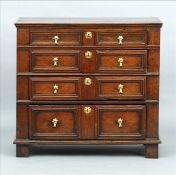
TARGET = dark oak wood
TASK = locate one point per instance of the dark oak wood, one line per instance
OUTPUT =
(66, 61)
(89, 141)
(134, 61)
(22, 150)
(41, 126)
(87, 113)
(103, 102)
(43, 88)
(130, 38)
(133, 87)
(66, 39)
(87, 122)
(132, 126)
(151, 151)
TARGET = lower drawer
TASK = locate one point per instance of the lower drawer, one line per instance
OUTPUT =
(52, 122)
(87, 121)
(124, 122)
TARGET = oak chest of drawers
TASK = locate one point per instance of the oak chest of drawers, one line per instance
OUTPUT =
(88, 81)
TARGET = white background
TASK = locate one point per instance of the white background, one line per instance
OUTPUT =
(88, 162)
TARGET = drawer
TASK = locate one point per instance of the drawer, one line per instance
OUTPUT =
(121, 122)
(87, 121)
(122, 61)
(55, 61)
(121, 87)
(121, 38)
(88, 88)
(53, 122)
(56, 38)
(54, 88)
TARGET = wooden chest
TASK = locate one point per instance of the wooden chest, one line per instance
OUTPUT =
(88, 81)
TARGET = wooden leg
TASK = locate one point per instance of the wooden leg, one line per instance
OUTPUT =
(151, 151)
(22, 150)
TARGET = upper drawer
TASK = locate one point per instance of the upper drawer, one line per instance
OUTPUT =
(121, 38)
(55, 61)
(121, 87)
(122, 61)
(54, 39)
(54, 88)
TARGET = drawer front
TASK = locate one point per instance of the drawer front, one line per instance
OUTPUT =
(122, 61)
(121, 38)
(121, 87)
(53, 122)
(87, 122)
(121, 122)
(55, 61)
(56, 39)
(54, 88)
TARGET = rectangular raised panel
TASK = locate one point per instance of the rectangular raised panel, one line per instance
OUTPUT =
(133, 121)
(122, 61)
(129, 38)
(134, 87)
(42, 88)
(41, 125)
(55, 61)
(65, 39)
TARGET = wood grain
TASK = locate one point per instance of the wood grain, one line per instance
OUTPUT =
(38, 105)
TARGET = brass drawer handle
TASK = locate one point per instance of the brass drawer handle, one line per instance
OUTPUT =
(87, 81)
(88, 54)
(55, 89)
(87, 109)
(120, 61)
(55, 122)
(55, 61)
(88, 35)
(56, 39)
(120, 38)
(120, 88)
(120, 122)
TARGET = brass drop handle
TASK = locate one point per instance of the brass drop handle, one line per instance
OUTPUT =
(87, 81)
(55, 89)
(87, 109)
(120, 122)
(120, 61)
(55, 122)
(56, 39)
(88, 54)
(120, 88)
(55, 61)
(120, 39)
(88, 35)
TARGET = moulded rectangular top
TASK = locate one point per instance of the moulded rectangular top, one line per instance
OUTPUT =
(31, 21)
